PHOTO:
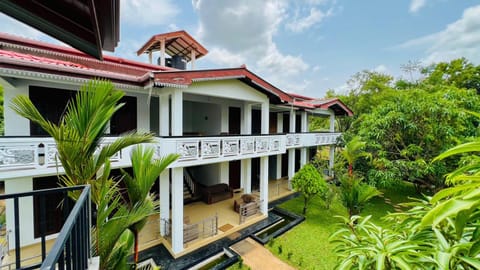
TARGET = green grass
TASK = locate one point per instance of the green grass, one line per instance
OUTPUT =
(307, 247)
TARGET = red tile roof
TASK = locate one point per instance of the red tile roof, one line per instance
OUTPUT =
(26, 54)
(37, 59)
(187, 77)
(179, 42)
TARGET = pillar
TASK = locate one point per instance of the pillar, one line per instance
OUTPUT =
(279, 157)
(304, 128)
(193, 56)
(246, 164)
(177, 113)
(164, 186)
(164, 115)
(164, 194)
(177, 209)
(162, 52)
(264, 161)
(264, 184)
(291, 151)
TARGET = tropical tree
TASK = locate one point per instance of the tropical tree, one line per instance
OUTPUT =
(78, 137)
(352, 151)
(310, 183)
(440, 232)
(354, 194)
(146, 171)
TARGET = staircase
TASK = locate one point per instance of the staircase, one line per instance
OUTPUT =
(190, 190)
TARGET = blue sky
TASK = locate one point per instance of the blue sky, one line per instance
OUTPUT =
(304, 46)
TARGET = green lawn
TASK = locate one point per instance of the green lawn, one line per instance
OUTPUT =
(307, 247)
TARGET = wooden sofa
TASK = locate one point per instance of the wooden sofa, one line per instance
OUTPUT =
(216, 193)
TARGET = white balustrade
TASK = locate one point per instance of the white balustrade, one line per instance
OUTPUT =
(295, 140)
(29, 156)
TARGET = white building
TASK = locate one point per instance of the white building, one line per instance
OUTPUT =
(229, 125)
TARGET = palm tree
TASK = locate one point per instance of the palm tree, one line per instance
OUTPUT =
(78, 136)
(354, 150)
(146, 171)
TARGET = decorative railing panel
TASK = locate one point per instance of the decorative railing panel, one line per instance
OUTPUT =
(295, 140)
(201, 150)
(29, 156)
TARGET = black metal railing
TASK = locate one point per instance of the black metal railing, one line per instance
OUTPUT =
(78, 216)
(72, 247)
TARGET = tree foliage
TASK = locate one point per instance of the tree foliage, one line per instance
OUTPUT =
(309, 182)
(441, 232)
(405, 124)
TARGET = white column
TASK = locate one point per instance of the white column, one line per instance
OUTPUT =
(331, 156)
(246, 176)
(293, 118)
(150, 57)
(177, 209)
(164, 115)
(332, 122)
(177, 113)
(291, 152)
(265, 118)
(224, 118)
(279, 157)
(264, 184)
(193, 56)
(224, 168)
(246, 164)
(162, 52)
(224, 173)
(164, 194)
(246, 118)
(304, 128)
(264, 160)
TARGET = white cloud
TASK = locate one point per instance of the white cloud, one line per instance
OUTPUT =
(416, 5)
(381, 69)
(147, 12)
(242, 32)
(459, 39)
(301, 22)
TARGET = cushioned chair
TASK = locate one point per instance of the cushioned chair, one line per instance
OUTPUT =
(216, 193)
(244, 199)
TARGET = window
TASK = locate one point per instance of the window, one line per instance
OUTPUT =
(51, 104)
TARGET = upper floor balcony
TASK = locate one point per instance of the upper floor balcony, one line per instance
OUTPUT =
(34, 156)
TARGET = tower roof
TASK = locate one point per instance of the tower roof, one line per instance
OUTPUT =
(176, 43)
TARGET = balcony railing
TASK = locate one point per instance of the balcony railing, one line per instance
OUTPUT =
(295, 140)
(203, 150)
(72, 247)
(30, 156)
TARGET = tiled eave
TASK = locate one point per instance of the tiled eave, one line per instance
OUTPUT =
(49, 76)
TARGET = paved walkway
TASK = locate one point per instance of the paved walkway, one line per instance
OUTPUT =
(257, 257)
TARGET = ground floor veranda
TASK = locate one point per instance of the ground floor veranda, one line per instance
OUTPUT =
(227, 223)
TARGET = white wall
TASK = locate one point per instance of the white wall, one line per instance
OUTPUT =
(206, 174)
(143, 112)
(204, 118)
(15, 125)
(232, 89)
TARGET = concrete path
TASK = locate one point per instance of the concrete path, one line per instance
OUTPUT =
(257, 257)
